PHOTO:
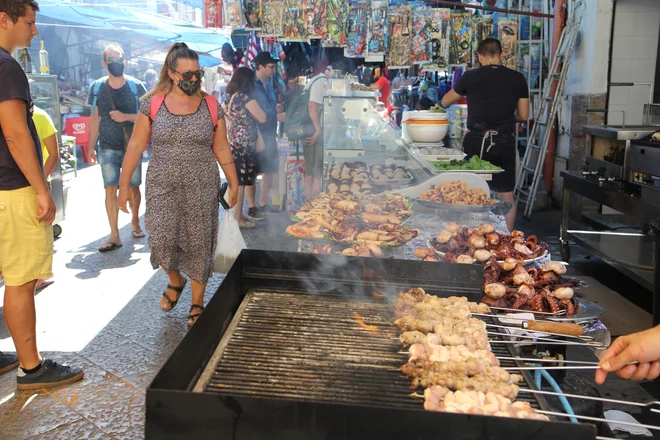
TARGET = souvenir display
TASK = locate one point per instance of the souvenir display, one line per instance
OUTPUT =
(508, 33)
(460, 47)
(400, 32)
(482, 28)
(233, 14)
(337, 12)
(357, 29)
(272, 23)
(378, 28)
(316, 19)
(421, 40)
(440, 31)
(252, 11)
(295, 25)
(212, 14)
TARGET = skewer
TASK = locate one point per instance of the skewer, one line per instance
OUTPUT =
(559, 313)
(596, 419)
(507, 335)
(588, 344)
(568, 367)
(565, 328)
(600, 399)
(583, 337)
(549, 360)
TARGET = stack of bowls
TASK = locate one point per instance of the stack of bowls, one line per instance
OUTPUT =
(427, 127)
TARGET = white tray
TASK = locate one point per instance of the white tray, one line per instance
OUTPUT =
(442, 157)
(470, 171)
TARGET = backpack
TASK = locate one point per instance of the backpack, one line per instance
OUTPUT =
(297, 119)
(131, 85)
(211, 103)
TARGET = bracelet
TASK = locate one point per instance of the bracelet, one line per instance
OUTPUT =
(228, 163)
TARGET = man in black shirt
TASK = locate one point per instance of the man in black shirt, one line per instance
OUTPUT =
(26, 209)
(114, 101)
(497, 97)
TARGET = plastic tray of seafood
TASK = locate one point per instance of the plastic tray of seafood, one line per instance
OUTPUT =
(348, 171)
(347, 187)
(459, 207)
(390, 175)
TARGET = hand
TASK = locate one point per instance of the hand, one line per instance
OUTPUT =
(92, 156)
(45, 208)
(117, 116)
(312, 139)
(124, 200)
(233, 195)
(642, 347)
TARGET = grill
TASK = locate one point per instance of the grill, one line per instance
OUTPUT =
(279, 353)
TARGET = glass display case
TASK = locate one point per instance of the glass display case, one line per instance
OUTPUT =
(364, 152)
(45, 95)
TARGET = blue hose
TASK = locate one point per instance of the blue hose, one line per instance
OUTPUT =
(539, 375)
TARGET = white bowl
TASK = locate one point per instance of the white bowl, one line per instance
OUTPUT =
(425, 115)
(427, 133)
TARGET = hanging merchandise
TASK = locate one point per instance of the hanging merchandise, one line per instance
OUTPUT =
(253, 48)
(212, 14)
(378, 28)
(272, 23)
(295, 26)
(252, 11)
(337, 20)
(482, 28)
(422, 28)
(441, 22)
(460, 46)
(233, 14)
(356, 37)
(316, 19)
(508, 32)
(277, 52)
(400, 35)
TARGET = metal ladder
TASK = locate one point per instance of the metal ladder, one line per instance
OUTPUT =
(532, 162)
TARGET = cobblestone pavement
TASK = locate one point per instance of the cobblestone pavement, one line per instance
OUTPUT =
(102, 313)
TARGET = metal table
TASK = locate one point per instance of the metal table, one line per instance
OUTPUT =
(630, 253)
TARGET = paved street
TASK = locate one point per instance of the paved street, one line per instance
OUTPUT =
(102, 314)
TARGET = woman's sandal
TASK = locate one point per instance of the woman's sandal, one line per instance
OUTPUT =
(178, 290)
(196, 315)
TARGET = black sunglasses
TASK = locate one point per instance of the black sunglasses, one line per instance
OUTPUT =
(187, 76)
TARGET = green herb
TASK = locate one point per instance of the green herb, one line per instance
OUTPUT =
(474, 164)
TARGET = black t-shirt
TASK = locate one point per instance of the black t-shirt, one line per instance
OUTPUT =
(15, 86)
(492, 93)
(111, 135)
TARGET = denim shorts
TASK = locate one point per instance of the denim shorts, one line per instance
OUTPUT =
(111, 161)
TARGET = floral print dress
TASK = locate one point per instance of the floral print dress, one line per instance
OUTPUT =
(242, 137)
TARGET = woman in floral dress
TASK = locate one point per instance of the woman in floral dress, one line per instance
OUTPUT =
(183, 181)
(243, 113)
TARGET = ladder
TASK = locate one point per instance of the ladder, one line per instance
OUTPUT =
(531, 167)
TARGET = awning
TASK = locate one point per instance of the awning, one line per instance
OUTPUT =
(115, 19)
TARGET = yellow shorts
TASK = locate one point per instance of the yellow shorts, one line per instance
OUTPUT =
(26, 245)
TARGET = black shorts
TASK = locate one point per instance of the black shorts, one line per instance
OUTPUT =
(268, 161)
(502, 154)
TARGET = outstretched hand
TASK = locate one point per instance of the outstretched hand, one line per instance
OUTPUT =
(642, 347)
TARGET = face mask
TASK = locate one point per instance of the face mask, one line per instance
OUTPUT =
(190, 87)
(116, 69)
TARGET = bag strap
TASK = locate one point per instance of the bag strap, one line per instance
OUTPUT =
(154, 106)
(109, 91)
(212, 104)
(95, 91)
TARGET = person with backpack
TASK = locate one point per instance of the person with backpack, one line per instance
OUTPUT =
(313, 147)
(189, 134)
(114, 100)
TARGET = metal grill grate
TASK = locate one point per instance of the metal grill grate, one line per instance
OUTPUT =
(308, 347)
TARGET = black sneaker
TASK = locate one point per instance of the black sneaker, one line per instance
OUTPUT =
(8, 362)
(50, 374)
(268, 209)
(255, 214)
